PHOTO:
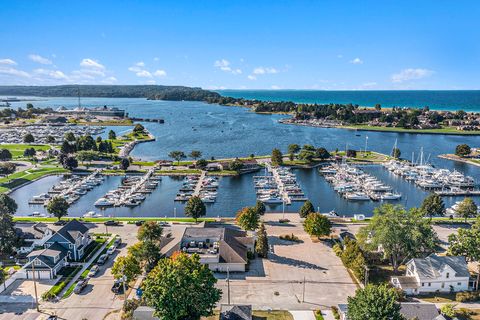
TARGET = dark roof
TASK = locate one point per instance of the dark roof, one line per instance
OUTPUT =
(407, 282)
(420, 311)
(231, 250)
(72, 230)
(31, 231)
(430, 266)
(47, 255)
(235, 312)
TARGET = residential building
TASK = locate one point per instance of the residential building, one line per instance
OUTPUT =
(32, 235)
(235, 312)
(74, 237)
(418, 311)
(434, 274)
(46, 262)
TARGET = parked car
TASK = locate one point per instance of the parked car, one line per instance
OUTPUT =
(93, 271)
(139, 222)
(103, 258)
(117, 242)
(112, 223)
(163, 223)
(81, 285)
(111, 250)
(60, 222)
(117, 287)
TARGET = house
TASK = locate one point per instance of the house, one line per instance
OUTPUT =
(46, 262)
(74, 237)
(235, 312)
(418, 311)
(222, 249)
(32, 235)
(434, 274)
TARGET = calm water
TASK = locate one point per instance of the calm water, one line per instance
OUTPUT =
(220, 131)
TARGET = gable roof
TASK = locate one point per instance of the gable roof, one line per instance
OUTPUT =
(72, 230)
(31, 231)
(47, 255)
(235, 312)
(431, 266)
(420, 311)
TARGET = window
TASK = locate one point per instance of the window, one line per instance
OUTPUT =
(429, 284)
(448, 275)
(459, 283)
(423, 284)
(443, 285)
(37, 262)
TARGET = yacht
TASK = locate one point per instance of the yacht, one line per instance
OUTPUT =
(103, 202)
(390, 196)
(357, 196)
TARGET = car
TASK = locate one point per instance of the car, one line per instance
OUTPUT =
(117, 242)
(163, 223)
(81, 284)
(117, 287)
(93, 270)
(52, 317)
(111, 250)
(60, 223)
(138, 223)
(112, 223)
(103, 258)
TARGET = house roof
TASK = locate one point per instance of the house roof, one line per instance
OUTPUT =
(407, 282)
(47, 255)
(31, 231)
(420, 311)
(431, 266)
(235, 312)
(72, 230)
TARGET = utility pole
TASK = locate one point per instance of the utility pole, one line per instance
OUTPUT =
(283, 208)
(228, 285)
(366, 142)
(366, 275)
(303, 294)
(124, 289)
(35, 285)
(174, 212)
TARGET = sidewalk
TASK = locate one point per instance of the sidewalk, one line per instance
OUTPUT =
(85, 266)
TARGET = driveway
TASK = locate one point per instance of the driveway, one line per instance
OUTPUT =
(24, 291)
(278, 282)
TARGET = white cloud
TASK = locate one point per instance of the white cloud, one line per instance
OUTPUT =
(156, 59)
(150, 82)
(411, 74)
(54, 74)
(224, 65)
(252, 77)
(89, 63)
(109, 80)
(143, 74)
(8, 62)
(140, 64)
(160, 73)
(265, 70)
(356, 61)
(39, 59)
(14, 72)
(274, 87)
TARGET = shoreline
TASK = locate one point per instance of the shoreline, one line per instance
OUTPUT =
(453, 157)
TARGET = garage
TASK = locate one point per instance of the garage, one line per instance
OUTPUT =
(39, 274)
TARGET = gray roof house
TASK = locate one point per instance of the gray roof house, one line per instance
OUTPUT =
(74, 237)
(434, 273)
(418, 311)
(46, 263)
(235, 312)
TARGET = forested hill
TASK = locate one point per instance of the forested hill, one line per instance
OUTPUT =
(154, 92)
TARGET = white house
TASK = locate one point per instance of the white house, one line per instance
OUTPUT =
(434, 274)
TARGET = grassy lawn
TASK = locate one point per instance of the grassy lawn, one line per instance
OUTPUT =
(17, 149)
(438, 298)
(261, 315)
(18, 178)
(100, 220)
(382, 274)
(182, 171)
(370, 156)
(444, 130)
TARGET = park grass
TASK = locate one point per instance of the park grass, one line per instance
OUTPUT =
(19, 178)
(370, 156)
(178, 172)
(444, 130)
(17, 149)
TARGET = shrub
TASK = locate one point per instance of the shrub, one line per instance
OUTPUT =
(290, 237)
(467, 296)
(335, 312)
(318, 315)
(283, 220)
(448, 310)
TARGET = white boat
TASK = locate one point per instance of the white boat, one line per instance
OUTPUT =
(92, 214)
(357, 196)
(390, 196)
(103, 202)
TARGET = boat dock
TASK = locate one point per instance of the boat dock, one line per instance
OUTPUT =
(198, 186)
(279, 187)
(202, 186)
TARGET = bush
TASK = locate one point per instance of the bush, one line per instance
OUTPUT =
(318, 315)
(290, 237)
(283, 220)
(335, 312)
(467, 296)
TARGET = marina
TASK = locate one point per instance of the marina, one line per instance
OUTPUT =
(279, 187)
(202, 186)
(41, 132)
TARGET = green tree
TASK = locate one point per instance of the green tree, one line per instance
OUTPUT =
(201, 163)
(467, 209)
(68, 147)
(112, 135)
(402, 234)
(5, 155)
(374, 303)
(195, 208)
(235, 165)
(28, 138)
(248, 218)
(322, 153)
(353, 258)
(7, 168)
(58, 207)
(306, 209)
(277, 157)
(306, 155)
(317, 225)
(195, 154)
(449, 310)
(70, 163)
(260, 208)
(8, 236)
(124, 164)
(351, 153)
(29, 152)
(148, 249)
(70, 137)
(177, 155)
(433, 205)
(462, 150)
(138, 129)
(261, 246)
(292, 150)
(127, 266)
(50, 139)
(396, 153)
(86, 155)
(150, 231)
(181, 288)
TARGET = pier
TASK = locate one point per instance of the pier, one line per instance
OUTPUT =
(198, 186)
(280, 187)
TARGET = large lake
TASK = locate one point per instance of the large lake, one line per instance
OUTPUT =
(220, 131)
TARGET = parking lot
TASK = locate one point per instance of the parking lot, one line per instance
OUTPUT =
(278, 282)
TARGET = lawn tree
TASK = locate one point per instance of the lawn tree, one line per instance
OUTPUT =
(127, 266)
(5, 155)
(138, 129)
(69, 136)
(396, 153)
(180, 288)
(28, 138)
(195, 208)
(277, 157)
(195, 154)
(124, 164)
(68, 147)
(7, 168)
(433, 205)
(29, 152)
(292, 150)
(50, 139)
(236, 165)
(8, 236)
(402, 234)
(148, 249)
(322, 153)
(260, 208)
(261, 246)
(70, 163)
(467, 209)
(306, 155)
(306, 209)
(177, 155)
(58, 207)
(351, 153)
(466, 243)
(463, 150)
(317, 225)
(112, 135)
(201, 163)
(373, 303)
(248, 218)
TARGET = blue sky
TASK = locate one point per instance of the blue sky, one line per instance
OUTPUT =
(331, 45)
